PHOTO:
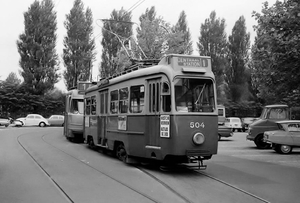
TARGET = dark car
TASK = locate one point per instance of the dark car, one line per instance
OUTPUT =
(224, 131)
(246, 122)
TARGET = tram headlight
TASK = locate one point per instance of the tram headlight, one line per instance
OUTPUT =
(198, 138)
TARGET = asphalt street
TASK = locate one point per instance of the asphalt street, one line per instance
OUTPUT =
(40, 165)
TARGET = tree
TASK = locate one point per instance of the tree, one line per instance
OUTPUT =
(213, 42)
(79, 51)
(36, 46)
(238, 47)
(157, 38)
(117, 32)
(276, 52)
(13, 79)
(181, 26)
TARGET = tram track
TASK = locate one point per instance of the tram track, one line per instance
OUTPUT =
(94, 168)
(232, 186)
(165, 185)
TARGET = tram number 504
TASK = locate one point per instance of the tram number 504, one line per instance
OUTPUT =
(196, 125)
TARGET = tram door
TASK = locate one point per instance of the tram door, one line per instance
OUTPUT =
(102, 118)
(153, 119)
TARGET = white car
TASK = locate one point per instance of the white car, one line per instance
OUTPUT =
(34, 120)
(234, 123)
(4, 121)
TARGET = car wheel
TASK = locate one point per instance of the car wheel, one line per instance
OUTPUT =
(42, 124)
(21, 122)
(260, 143)
(285, 149)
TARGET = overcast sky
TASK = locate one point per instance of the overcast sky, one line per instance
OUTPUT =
(12, 21)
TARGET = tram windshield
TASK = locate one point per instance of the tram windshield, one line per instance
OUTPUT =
(194, 95)
(77, 106)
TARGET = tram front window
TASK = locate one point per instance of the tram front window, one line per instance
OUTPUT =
(194, 95)
(77, 106)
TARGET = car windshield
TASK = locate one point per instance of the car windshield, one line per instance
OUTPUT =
(275, 113)
(248, 120)
(235, 120)
(293, 127)
(194, 95)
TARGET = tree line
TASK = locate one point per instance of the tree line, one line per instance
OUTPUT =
(247, 76)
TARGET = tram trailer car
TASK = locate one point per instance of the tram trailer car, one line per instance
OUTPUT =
(166, 112)
(74, 112)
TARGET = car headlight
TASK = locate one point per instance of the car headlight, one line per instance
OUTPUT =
(198, 138)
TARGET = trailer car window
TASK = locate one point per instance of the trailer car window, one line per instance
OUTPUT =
(114, 101)
(93, 105)
(88, 106)
(123, 104)
(137, 98)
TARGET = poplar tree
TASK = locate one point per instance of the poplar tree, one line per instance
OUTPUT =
(213, 42)
(186, 45)
(157, 38)
(152, 34)
(117, 32)
(36, 46)
(79, 51)
(239, 45)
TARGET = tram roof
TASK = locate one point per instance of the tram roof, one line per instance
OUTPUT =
(177, 63)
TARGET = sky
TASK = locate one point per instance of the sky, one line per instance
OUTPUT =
(12, 22)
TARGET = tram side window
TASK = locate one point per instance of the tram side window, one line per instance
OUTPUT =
(88, 106)
(123, 103)
(77, 106)
(114, 101)
(137, 98)
(93, 106)
(103, 102)
(166, 97)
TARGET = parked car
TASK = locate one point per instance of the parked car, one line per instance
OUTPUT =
(285, 138)
(267, 122)
(34, 120)
(234, 123)
(16, 123)
(4, 121)
(56, 120)
(224, 131)
(246, 122)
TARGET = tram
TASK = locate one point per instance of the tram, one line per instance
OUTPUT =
(74, 109)
(157, 110)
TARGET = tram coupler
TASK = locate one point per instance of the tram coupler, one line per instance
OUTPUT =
(201, 165)
(199, 162)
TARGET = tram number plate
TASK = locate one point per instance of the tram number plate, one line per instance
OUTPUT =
(196, 125)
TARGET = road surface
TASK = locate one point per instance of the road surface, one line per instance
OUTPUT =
(40, 165)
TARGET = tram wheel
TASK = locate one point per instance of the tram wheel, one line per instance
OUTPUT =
(91, 142)
(121, 152)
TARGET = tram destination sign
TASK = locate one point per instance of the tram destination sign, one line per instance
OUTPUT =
(193, 62)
